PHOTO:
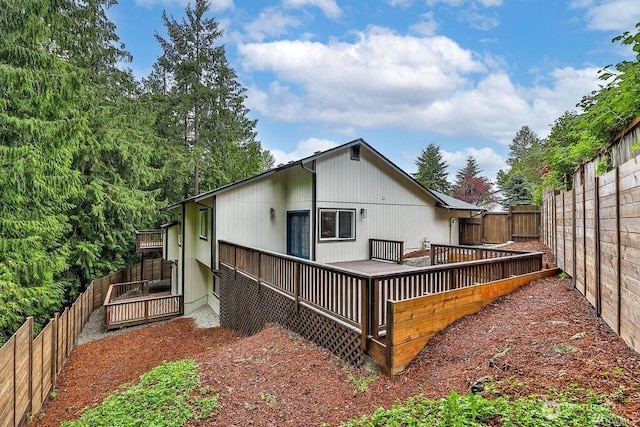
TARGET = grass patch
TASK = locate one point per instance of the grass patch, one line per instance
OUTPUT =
(361, 384)
(474, 410)
(168, 395)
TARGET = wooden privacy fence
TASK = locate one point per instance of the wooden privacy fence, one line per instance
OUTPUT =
(520, 223)
(29, 366)
(594, 230)
(360, 300)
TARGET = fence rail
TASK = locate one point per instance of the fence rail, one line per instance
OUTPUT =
(359, 299)
(386, 250)
(135, 311)
(444, 254)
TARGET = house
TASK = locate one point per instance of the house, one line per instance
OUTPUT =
(324, 208)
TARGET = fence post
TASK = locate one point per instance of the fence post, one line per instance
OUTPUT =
(30, 380)
(618, 255)
(54, 350)
(596, 229)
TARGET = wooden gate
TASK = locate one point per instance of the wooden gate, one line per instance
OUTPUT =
(520, 223)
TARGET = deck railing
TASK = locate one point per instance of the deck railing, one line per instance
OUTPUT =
(148, 240)
(444, 254)
(386, 250)
(128, 304)
(360, 299)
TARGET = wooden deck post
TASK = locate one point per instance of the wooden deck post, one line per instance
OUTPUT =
(374, 290)
(296, 286)
(364, 312)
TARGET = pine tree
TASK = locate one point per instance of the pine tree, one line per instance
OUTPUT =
(41, 126)
(515, 190)
(116, 195)
(522, 144)
(471, 187)
(203, 116)
(432, 170)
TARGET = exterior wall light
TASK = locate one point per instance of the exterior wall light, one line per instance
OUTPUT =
(363, 213)
(272, 213)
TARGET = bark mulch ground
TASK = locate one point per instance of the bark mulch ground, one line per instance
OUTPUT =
(543, 338)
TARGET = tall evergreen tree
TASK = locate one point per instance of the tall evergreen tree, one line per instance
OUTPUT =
(515, 190)
(471, 187)
(204, 119)
(432, 170)
(41, 127)
(522, 144)
(116, 195)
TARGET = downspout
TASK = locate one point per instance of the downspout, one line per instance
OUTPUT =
(183, 247)
(313, 207)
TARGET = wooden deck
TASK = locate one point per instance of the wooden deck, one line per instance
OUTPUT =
(133, 303)
(148, 241)
(361, 294)
(369, 266)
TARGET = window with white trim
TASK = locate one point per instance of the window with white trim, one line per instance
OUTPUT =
(337, 224)
(203, 224)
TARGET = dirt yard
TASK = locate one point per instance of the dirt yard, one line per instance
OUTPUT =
(542, 338)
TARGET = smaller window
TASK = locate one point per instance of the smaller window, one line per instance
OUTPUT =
(355, 152)
(203, 224)
(337, 224)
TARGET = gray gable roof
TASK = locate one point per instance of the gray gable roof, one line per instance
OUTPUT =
(456, 204)
(442, 200)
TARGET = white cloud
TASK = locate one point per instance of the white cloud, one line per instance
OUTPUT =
(457, 3)
(489, 162)
(427, 25)
(399, 3)
(610, 15)
(329, 7)
(479, 21)
(269, 23)
(426, 84)
(216, 5)
(303, 149)
(381, 72)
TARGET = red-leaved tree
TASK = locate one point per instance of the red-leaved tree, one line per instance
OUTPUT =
(471, 187)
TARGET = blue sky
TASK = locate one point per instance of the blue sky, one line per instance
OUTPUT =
(463, 74)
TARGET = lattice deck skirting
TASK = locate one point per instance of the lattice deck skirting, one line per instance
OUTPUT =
(246, 307)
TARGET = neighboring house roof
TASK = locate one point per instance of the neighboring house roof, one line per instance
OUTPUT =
(442, 200)
(457, 204)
